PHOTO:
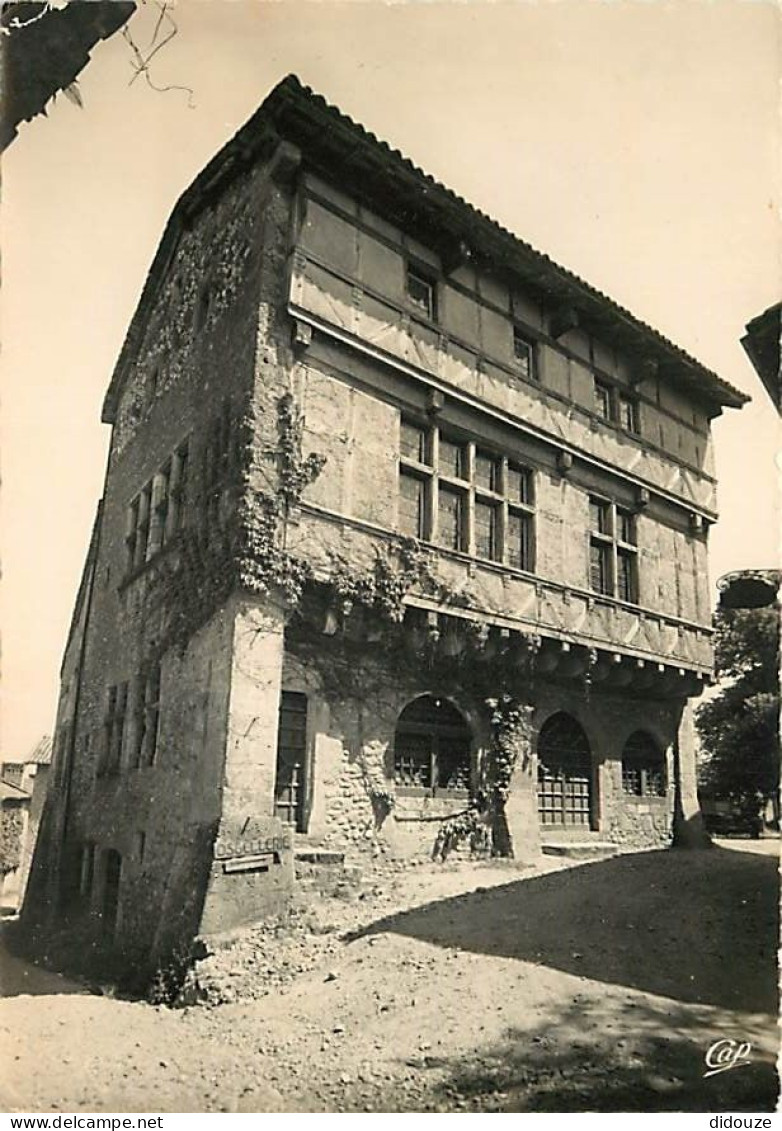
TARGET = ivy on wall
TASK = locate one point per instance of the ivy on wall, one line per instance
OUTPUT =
(235, 536)
(236, 539)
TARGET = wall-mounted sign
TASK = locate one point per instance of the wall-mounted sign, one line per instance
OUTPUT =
(252, 837)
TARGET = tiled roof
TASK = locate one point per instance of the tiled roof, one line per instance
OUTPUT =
(330, 139)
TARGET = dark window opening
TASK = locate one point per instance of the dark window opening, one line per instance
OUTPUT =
(452, 459)
(600, 568)
(450, 526)
(422, 291)
(628, 414)
(625, 576)
(290, 776)
(599, 516)
(412, 505)
(203, 307)
(87, 869)
(519, 488)
(613, 555)
(112, 877)
(603, 401)
(412, 443)
(643, 766)
(487, 542)
(519, 541)
(524, 353)
(115, 728)
(486, 472)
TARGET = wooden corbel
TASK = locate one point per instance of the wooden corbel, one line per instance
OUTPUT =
(562, 320)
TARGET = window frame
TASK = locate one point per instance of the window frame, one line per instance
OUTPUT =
(610, 402)
(419, 273)
(156, 513)
(615, 544)
(114, 727)
(646, 768)
(434, 732)
(461, 481)
(526, 359)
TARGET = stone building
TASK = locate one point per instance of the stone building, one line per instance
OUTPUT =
(403, 534)
(23, 802)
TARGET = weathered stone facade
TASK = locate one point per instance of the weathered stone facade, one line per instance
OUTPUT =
(378, 474)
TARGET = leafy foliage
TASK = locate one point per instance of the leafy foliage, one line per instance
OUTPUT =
(482, 825)
(246, 547)
(739, 728)
(382, 588)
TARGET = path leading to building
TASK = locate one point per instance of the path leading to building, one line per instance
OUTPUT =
(599, 986)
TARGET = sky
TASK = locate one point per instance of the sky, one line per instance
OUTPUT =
(637, 142)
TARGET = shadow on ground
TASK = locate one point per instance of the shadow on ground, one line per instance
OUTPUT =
(19, 975)
(567, 1064)
(697, 926)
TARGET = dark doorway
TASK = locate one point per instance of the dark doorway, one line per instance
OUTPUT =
(112, 874)
(291, 773)
(564, 774)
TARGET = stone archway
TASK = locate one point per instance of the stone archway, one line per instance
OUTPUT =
(566, 787)
(432, 749)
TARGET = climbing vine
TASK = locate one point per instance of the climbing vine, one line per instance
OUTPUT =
(237, 536)
(296, 471)
(11, 826)
(383, 587)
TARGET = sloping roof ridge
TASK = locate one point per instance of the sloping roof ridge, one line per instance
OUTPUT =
(41, 754)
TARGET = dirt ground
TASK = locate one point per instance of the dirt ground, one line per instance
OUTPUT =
(590, 987)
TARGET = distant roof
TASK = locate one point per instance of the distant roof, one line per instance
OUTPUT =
(336, 147)
(762, 342)
(41, 754)
(749, 588)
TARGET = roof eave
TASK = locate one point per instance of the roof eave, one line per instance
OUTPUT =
(294, 112)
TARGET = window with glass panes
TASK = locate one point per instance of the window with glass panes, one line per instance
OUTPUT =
(422, 290)
(524, 352)
(463, 496)
(603, 400)
(613, 552)
(628, 414)
(643, 766)
(158, 511)
(616, 407)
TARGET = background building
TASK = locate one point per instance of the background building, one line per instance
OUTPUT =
(402, 523)
(24, 785)
(761, 342)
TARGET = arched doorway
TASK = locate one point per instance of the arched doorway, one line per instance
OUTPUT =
(432, 746)
(564, 774)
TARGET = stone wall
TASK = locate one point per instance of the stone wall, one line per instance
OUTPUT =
(350, 757)
(201, 349)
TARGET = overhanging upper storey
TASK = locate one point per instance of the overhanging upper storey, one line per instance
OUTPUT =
(337, 149)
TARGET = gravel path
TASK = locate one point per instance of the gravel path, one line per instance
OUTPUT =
(475, 988)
